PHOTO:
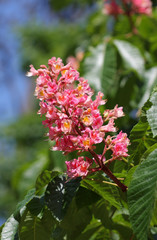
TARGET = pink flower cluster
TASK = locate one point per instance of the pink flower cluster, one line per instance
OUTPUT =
(73, 118)
(78, 167)
(114, 7)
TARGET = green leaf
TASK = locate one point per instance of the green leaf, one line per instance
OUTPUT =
(150, 78)
(23, 203)
(75, 220)
(93, 66)
(129, 176)
(142, 195)
(131, 56)
(100, 68)
(85, 197)
(59, 194)
(91, 229)
(44, 178)
(35, 205)
(99, 185)
(35, 228)
(152, 114)
(138, 136)
(108, 79)
(9, 230)
(101, 212)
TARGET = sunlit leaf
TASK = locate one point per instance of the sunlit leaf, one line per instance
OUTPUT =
(152, 114)
(142, 195)
(93, 65)
(150, 78)
(44, 178)
(108, 79)
(9, 230)
(131, 56)
(138, 136)
(23, 203)
(101, 185)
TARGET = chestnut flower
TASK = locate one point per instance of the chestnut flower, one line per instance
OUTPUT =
(74, 120)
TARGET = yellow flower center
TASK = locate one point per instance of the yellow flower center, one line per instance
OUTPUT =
(79, 87)
(86, 142)
(86, 119)
(57, 67)
(63, 72)
(67, 125)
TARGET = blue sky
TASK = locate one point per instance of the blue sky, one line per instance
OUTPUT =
(13, 83)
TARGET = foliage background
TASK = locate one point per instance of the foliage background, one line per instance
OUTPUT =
(119, 63)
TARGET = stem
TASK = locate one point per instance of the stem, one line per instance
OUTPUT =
(128, 13)
(110, 174)
(107, 171)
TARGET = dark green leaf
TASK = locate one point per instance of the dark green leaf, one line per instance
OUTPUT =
(91, 231)
(23, 203)
(86, 197)
(35, 228)
(44, 178)
(36, 205)
(142, 195)
(101, 212)
(75, 220)
(101, 185)
(59, 194)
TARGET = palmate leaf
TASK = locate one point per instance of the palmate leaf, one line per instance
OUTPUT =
(131, 56)
(59, 194)
(100, 68)
(101, 212)
(36, 205)
(108, 83)
(85, 197)
(150, 78)
(142, 195)
(35, 228)
(152, 113)
(99, 185)
(139, 135)
(75, 220)
(9, 229)
(23, 203)
(91, 231)
(44, 178)
(93, 65)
